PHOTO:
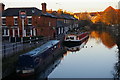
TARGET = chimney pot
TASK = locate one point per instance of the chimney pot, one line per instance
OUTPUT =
(2, 6)
(44, 7)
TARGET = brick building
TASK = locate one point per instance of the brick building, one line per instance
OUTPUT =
(65, 22)
(37, 22)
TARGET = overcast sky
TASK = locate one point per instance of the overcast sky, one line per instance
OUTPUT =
(69, 5)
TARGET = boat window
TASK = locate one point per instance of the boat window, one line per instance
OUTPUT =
(72, 38)
(55, 46)
(67, 38)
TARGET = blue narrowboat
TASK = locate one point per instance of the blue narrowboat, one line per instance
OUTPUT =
(29, 62)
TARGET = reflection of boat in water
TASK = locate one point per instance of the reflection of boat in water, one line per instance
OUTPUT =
(43, 74)
(76, 48)
(32, 62)
(49, 69)
(75, 39)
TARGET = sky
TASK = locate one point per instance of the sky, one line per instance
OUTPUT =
(68, 5)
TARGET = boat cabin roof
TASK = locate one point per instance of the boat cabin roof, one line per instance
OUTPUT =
(42, 48)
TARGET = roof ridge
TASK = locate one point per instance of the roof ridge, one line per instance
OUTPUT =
(20, 7)
(108, 8)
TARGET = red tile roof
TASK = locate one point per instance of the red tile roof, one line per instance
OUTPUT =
(109, 8)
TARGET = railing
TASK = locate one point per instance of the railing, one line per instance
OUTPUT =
(9, 49)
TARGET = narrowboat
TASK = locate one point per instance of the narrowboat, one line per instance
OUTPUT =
(71, 40)
(30, 62)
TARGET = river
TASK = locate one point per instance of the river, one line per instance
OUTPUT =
(96, 57)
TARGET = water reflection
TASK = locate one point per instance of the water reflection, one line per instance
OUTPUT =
(95, 60)
(104, 37)
(48, 70)
(117, 65)
(110, 40)
(76, 48)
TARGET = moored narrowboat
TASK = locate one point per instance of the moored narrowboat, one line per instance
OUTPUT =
(71, 40)
(29, 63)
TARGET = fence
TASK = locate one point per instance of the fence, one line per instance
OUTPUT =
(9, 49)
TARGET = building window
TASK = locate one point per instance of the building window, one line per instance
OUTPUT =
(59, 30)
(49, 23)
(15, 21)
(4, 21)
(67, 21)
(77, 25)
(64, 21)
(5, 32)
(29, 21)
(28, 32)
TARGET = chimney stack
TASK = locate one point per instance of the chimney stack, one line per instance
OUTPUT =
(2, 6)
(44, 7)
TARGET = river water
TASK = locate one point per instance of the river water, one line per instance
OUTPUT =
(96, 58)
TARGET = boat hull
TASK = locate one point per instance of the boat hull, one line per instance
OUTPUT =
(71, 43)
(75, 43)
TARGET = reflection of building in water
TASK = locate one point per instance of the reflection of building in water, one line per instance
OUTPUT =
(95, 34)
(107, 40)
(104, 37)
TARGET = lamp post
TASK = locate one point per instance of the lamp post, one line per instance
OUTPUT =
(22, 15)
(23, 31)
